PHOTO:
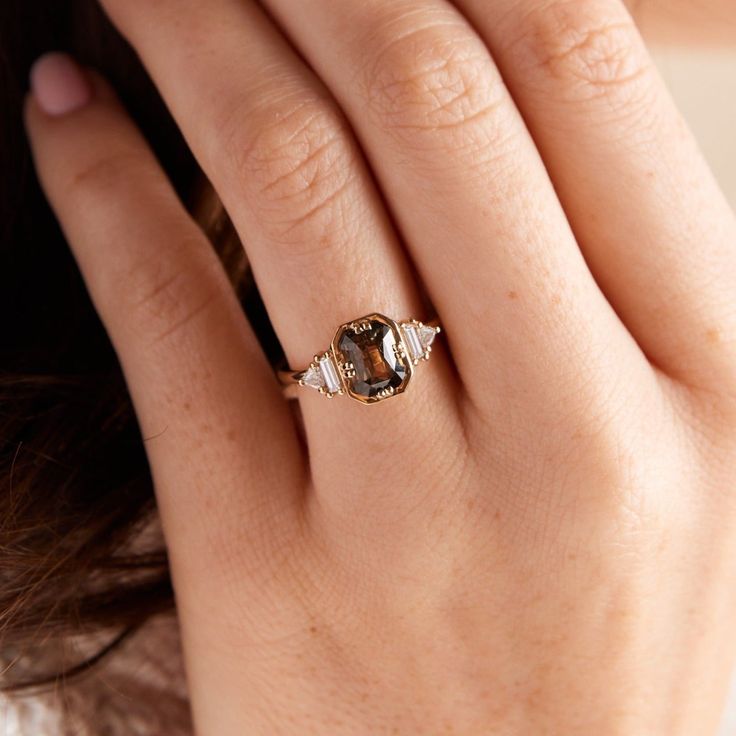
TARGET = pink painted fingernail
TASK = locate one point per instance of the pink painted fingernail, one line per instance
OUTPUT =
(58, 84)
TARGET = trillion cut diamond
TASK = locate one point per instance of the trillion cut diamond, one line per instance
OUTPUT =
(427, 335)
(313, 377)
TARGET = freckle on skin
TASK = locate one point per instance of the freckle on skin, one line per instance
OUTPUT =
(556, 299)
(512, 295)
(187, 406)
(713, 336)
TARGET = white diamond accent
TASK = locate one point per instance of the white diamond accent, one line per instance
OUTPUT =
(412, 340)
(329, 373)
(427, 335)
(313, 378)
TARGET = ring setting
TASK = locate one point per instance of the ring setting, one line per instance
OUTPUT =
(370, 359)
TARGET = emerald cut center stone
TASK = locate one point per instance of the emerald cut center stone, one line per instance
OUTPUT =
(375, 366)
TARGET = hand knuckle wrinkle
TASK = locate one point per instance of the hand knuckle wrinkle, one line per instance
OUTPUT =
(300, 167)
(433, 83)
(165, 293)
(593, 54)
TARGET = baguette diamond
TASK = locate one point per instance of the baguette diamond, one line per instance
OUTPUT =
(411, 335)
(329, 373)
(419, 338)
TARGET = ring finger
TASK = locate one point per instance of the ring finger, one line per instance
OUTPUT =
(473, 199)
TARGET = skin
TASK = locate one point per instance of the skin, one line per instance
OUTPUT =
(538, 536)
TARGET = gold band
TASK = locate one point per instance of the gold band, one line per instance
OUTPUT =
(290, 380)
(356, 362)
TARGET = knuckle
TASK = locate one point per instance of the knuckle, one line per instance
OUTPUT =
(151, 292)
(597, 419)
(300, 167)
(603, 456)
(433, 86)
(99, 179)
(164, 292)
(593, 53)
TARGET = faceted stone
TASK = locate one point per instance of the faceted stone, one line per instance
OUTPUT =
(313, 377)
(329, 374)
(411, 335)
(427, 335)
(370, 348)
(418, 338)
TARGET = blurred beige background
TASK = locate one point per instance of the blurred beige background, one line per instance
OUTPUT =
(704, 86)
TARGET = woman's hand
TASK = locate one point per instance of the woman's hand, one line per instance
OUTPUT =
(539, 536)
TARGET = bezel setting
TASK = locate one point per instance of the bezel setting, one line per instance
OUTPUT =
(368, 368)
(347, 369)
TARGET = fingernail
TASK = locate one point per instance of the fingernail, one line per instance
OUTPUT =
(58, 84)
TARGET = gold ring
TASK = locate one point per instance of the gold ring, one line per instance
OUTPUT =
(370, 359)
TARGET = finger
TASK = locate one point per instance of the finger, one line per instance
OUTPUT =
(470, 194)
(658, 234)
(291, 175)
(277, 149)
(222, 445)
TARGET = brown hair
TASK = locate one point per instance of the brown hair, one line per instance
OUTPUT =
(75, 491)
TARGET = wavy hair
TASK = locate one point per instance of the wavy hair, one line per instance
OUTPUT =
(76, 498)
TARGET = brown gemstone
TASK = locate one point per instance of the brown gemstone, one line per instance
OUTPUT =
(370, 346)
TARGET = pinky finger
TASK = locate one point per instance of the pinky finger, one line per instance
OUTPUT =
(202, 388)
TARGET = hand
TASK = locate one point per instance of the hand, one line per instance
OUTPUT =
(538, 536)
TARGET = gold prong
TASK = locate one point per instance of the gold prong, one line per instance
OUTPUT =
(385, 393)
(347, 369)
